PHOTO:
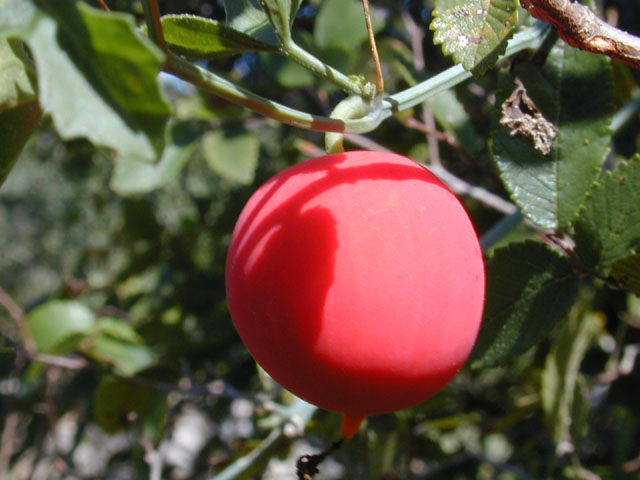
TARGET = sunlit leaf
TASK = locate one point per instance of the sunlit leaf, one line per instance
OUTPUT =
(198, 38)
(59, 325)
(17, 82)
(97, 76)
(17, 17)
(475, 32)
(607, 229)
(119, 345)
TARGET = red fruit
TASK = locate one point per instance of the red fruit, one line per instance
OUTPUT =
(357, 282)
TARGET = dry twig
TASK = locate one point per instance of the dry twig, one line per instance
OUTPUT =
(577, 25)
(374, 48)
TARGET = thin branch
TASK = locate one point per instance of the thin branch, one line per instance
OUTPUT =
(577, 25)
(374, 48)
(431, 132)
(7, 442)
(152, 17)
(70, 363)
(154, 458)
(17, 314)
(416, 35)
(104, 5)
(217, 388)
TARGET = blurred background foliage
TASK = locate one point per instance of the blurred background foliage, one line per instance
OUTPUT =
(148, 378)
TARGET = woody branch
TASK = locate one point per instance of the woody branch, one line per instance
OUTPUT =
(577, 25)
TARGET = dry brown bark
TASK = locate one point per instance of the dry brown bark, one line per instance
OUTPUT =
(577, 25)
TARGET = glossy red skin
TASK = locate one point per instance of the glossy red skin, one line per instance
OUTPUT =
(357, 282)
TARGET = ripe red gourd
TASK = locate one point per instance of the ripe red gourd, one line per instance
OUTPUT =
(357, 282)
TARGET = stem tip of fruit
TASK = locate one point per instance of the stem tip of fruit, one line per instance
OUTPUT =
(350, 425)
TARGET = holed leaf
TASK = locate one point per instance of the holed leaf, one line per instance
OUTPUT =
(529, 289)
(607, 228)
(198, 38)
(551, 188)
(475, 32)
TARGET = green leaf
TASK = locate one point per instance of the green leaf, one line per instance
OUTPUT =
(562, 397)
(97, 77)
(133, 176)
(551, 188)
(198, 38)
(127, 358)
(475, 32)
(17, 16)
(17, 82)
(118, 344)
(452, 116)
(119, 404)
(607, 229)
(16, 127)
(59, 325)
(627, 272)
(529, 289)
(19, 109)
(248, 17)
(340, 24)
(232, 155)
(118, 329)
(281, 14)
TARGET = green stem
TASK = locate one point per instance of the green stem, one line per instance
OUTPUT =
(530, 38)
(223, 88)
(293, 52)
(351, 107)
